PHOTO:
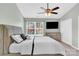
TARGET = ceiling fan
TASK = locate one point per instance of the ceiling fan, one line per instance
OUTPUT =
(48, 10)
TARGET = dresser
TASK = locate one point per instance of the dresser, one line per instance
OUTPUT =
(55, 35)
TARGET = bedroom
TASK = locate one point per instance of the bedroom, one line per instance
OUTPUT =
(26, 18)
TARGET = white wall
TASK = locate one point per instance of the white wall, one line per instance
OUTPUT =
(10, 15)
(73, 14)
(66, 31)
(44, 20)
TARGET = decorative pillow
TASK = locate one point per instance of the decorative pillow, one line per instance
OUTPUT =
(28, 37)
(17, 38)
(23, 36)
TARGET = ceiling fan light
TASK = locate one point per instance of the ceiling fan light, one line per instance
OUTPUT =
(47, 14)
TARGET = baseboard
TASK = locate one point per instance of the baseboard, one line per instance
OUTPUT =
(70, 45)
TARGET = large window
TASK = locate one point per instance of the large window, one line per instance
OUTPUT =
(34, 28)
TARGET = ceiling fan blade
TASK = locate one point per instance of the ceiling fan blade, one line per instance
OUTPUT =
(54, 12)
(43, 8)
(55, 8)
(41, 12)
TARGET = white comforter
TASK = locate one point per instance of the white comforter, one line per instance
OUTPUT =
(47, 45)
(42, 45)
(23, 48)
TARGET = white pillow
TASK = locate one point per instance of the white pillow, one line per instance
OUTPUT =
(30, 37)
(17, 38)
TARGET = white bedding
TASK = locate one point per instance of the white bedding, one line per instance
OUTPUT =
(42, 45)
(23, 48)
(47, 45)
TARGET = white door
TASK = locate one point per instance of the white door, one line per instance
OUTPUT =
(66, 31)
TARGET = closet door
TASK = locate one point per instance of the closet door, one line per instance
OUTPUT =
(1, 40)
(66, 31)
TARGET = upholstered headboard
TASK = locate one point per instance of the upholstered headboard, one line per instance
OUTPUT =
(7, 31)
(13, 29)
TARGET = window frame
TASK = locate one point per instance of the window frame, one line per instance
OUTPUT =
(35, 28)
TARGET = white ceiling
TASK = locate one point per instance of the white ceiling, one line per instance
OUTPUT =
(31, 10)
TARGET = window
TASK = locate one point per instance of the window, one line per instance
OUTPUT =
(34, 28)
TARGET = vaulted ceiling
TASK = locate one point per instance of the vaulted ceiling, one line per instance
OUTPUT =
(31, 10)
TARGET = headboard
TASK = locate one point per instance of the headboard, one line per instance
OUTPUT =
(7, 31)
(13, 29)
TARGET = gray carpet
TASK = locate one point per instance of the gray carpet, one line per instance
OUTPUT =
(70, 51)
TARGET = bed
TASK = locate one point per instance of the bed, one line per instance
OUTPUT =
(38, 45)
